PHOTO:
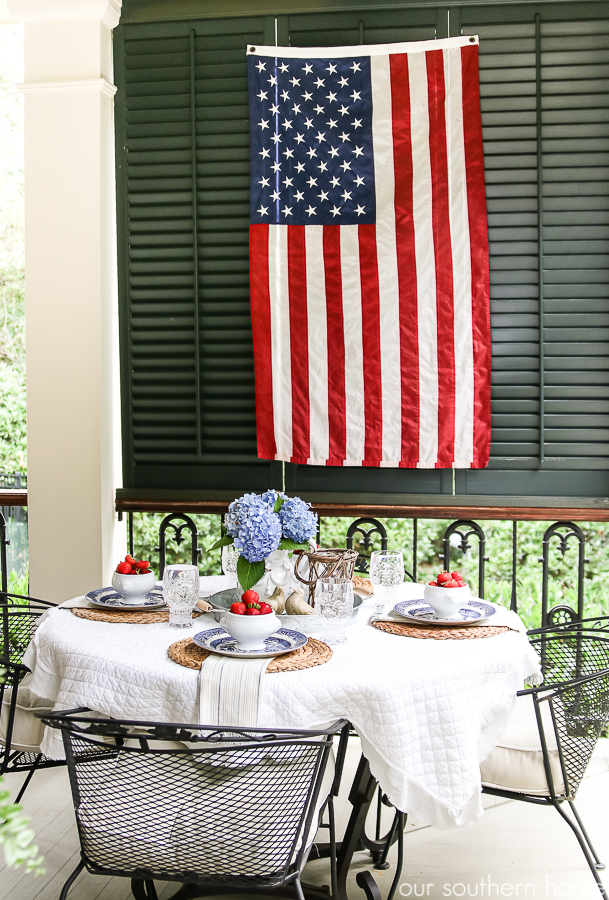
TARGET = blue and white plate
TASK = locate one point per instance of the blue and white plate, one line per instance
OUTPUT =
(109, 599)
(474, 612)
(218, 640)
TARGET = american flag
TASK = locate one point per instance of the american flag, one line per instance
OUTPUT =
(369, 255)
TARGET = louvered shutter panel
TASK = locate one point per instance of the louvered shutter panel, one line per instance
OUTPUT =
(544, 73)
(183, 157)
(189, 406)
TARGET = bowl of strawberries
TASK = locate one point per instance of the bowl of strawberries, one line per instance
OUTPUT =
(447, 594)
(251, 621)
(133, 579)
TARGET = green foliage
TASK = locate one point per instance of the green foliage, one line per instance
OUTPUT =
(19, 584)
(498, 588)
(12, 268)
(146, 538)
(15, 836)
(563, 571)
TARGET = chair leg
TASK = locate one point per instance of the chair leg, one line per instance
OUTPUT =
(401, 820)
(333, 869)
(582, 842)
(28, 778)
(71, 880)
(299, 890)
(143, 889)
(598, 864)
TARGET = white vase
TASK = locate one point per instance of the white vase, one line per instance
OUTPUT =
(279, 572)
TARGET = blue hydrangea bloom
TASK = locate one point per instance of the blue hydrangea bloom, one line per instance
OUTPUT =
(259, 528)
(297, 521)
(238, 510)
(270, 497)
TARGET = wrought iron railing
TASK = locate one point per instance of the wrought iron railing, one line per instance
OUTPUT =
(367, 533)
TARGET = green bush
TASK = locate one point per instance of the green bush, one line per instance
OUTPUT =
(498, 588)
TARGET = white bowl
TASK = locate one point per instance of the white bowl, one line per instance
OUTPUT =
(133, 588)
(250, 632)
(446, 602)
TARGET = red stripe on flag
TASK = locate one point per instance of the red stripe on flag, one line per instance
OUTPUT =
(261, 327)
(336, 346)
(299, 342)
(407, 280)
(476, 203)
(443, 258)
(371, 345)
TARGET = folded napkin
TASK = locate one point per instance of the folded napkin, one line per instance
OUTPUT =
(230, 690)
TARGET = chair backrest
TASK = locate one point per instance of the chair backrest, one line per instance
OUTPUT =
(230, 806)
(19, 618)
(575, 667)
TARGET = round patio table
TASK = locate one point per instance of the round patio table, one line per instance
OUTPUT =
(427, 711)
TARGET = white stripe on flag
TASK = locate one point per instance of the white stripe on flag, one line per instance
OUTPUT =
(354, 354)
(319, 444)
(280, 340)
(425, 262)
(462, 272)
(386, 252)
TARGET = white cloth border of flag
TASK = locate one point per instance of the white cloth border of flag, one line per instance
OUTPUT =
(363, 49)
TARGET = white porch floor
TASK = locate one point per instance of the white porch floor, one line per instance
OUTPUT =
(524, 850)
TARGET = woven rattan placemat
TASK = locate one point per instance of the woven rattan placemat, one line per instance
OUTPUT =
(314, 653)
(143, 617)
(437, 633)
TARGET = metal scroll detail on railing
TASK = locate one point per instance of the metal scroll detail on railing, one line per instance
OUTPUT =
(367, 541)
(171, 521)
(464, 545)
(562, 614)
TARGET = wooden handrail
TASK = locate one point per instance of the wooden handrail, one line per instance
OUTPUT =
(355, 510)
(13, 497)
(19, 497)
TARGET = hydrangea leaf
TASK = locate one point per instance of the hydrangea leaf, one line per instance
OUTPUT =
(279, 503)
(249, 573)
(223, 541)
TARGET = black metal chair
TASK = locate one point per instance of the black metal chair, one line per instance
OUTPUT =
(223, 808)
(20, 731)
(543, 754)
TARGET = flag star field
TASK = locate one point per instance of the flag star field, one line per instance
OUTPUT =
(311, 150)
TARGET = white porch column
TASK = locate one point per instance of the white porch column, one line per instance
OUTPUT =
(73, 425)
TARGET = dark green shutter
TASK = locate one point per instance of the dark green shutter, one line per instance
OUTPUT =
(188, 403)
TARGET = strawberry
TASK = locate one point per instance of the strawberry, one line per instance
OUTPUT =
(443, 577)
(123, 568)
(451, 583)
(250, 611)
(433, 583)
(457, 576)
(130, 560)
(238, 609)
(250, 597)
(142, 564)
(265, 609)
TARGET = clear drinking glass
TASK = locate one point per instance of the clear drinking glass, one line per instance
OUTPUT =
(386, 574)
(334, 606)
(181, 592)
(230, 555)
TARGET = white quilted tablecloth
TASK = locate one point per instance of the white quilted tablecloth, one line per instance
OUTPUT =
(427, 711)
